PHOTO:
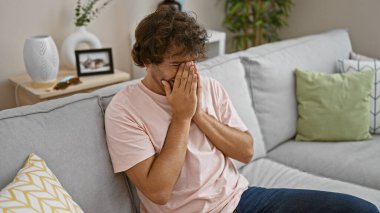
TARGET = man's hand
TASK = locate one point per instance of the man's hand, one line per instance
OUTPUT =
(199, 112)
(183, 96)
(232, 142)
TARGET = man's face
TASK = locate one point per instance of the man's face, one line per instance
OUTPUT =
(168, 69)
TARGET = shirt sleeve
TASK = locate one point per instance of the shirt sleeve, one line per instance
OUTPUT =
(225, 110)
(128, 143)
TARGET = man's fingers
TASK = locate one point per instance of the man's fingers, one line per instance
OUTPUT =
(167, 88)
(190, 79)
(194, 84)
(199, 83)
(177, 81)
(185, 75)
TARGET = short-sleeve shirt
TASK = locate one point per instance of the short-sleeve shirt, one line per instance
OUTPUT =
(137, 120)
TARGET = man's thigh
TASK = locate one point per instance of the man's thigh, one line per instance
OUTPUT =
(256, 199)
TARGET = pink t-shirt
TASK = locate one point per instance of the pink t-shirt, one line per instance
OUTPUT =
(137, 121)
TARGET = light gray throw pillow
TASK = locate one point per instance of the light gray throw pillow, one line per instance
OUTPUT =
(360, 66)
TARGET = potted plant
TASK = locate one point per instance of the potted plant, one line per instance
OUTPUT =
(84, 14)
(255, 22)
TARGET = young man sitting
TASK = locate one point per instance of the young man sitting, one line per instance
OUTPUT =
(174, 133)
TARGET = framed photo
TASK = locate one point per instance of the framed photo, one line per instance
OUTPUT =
(94, 61)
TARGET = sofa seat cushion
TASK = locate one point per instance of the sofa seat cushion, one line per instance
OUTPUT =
(356, 162)
(69, 134)
(271, 174)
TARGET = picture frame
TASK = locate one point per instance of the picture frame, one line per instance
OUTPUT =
(94, 61)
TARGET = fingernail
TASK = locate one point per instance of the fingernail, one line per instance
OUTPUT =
(163, 82)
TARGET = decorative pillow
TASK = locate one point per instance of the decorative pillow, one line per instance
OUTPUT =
(357, 56)
(36, 189)
(360, 66)
(270, 76)
(333, 107)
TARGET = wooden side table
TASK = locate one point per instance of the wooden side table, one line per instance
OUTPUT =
(26, 94)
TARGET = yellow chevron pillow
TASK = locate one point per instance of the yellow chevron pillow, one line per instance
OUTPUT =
(36, 189)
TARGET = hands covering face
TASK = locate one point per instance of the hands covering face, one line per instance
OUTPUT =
(184, 96)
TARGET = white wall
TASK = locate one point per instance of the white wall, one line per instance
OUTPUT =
(23, 18)
(360, 17)
(20, 19)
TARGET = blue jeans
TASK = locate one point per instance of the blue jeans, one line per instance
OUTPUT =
(256, 199)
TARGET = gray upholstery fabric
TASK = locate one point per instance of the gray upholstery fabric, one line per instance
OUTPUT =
(356, 162)
(272, 82)
(69, 135)
(106, 94)
(229, 72)
(271, 174)
(273, 47)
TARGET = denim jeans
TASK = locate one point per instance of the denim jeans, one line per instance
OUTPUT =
(256, 199)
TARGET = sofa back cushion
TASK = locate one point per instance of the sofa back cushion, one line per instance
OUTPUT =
(106, 94)
(69, 135)
(271, 79)
(229, 71)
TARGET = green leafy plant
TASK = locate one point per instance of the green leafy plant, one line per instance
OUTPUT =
(88, 11)
(255, 22)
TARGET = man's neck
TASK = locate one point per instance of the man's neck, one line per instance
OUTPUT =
(153, 86)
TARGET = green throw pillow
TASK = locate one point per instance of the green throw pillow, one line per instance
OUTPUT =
(333, 107)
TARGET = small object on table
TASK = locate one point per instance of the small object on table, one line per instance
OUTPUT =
(27, 94)
(64, 83)
(67, 81)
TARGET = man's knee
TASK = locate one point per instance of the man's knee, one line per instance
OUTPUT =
(369, 208)
(360, 205)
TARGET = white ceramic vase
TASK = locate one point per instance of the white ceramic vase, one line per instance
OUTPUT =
(79, 36)
(41, 60)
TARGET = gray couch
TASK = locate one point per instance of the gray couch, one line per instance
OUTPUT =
(69, 133)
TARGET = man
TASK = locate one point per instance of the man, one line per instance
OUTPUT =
(174, 133)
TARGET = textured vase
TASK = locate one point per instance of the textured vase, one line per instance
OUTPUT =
(79, 36)
(41, 60)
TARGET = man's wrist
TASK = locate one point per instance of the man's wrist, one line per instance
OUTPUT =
(180, 119)
(198, 116)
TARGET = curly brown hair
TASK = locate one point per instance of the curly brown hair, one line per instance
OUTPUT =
(158, 33)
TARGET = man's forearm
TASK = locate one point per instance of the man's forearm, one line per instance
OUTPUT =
(167, 165)
(232, 142)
